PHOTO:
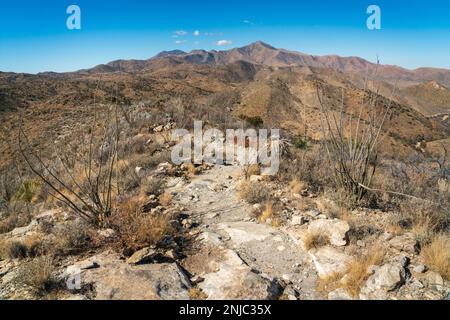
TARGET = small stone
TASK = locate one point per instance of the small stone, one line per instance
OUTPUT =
(360, 243)
(255, 178)
(387, 236)
(290, 293)
(388, 277)
(142, 256)
(106, 233)
(297, 221)
(313, 213)
(434, 280)
(158, 129)
(420, 268)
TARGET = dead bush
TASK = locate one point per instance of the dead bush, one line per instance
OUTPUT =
(306, 166)
(153, 185)
(72, 238)
(37, 274)
(14, 250)
(137, 230)
(254, 192)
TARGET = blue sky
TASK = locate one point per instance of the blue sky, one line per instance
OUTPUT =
(34, 36)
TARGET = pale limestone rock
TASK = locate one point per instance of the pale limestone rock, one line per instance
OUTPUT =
(328, 260)
(336, 230)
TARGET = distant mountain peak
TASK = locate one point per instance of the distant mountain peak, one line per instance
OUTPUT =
(259, 45)
(170, 53)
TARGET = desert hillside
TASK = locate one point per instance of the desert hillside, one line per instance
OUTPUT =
(92, 205)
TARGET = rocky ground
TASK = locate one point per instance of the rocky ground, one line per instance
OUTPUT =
(231, 254)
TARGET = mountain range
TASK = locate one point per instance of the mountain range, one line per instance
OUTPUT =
(279, 86)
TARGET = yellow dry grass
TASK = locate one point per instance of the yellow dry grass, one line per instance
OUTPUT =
(436, 255)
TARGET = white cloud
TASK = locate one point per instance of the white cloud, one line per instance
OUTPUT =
(246, 21)
(180, 33)
(180, 41)
(196, 33)
(224, 42)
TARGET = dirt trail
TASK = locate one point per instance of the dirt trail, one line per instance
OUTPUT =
(226, 222)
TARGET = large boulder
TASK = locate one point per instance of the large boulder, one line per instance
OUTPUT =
(241, 232)
(115, 279)
(335, 229)
(234, 280)
(385, 279)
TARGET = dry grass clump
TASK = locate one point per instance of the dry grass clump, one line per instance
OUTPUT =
(254, 192)
(37, 273)
(153, 185)
(357, 270)
(436, 255)
(137, 230)
(191, 169)
(72, 238)
(13, 250)
(267, 213)
(32, 246)
(296, 186)
(424, 219)
(252, 170)
(356, 274)
(315, 240)
(165, 199)
(329, 283)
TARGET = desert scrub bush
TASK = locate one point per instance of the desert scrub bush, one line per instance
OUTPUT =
(129, 180)
(308, 166)
(72, 237)
(82, 176)
(37, 274)
(153, 185)
(136, 229)
(254, 192)
(152, 161)
(251, 170)
(436, 255)
(13, 250)
(197, 294)
(424, 219)
(30, 247)
(351, 141)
